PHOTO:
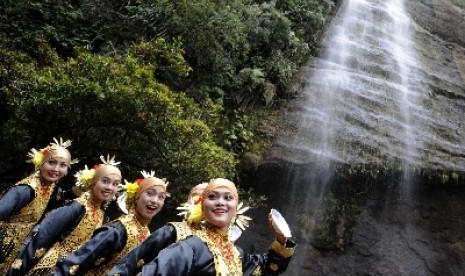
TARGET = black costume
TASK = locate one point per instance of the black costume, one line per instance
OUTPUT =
(62, 231)
(147, 251)
(21, 207)
(108, 244)
(149, 256)
(207, 254)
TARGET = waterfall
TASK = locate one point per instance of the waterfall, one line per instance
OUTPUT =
(358, 157)
(365, 83)
(362, 103)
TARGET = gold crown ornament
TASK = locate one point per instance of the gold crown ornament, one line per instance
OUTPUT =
(58, 148)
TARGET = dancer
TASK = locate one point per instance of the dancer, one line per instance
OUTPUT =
(112, 241)
(66, 228)
(209, 251)
(23, 204)
(131, 263)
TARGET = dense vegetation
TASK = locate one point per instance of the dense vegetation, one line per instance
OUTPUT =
(172, 86)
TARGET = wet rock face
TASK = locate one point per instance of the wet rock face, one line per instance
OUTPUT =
(419, 233)
(385, 89)
(444, 18)
(413, 238)
(396, 232)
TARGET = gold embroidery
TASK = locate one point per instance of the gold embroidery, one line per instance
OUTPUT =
(225, 255)
(40, 252)
(182, 230)
(18, 226)
(91, 220)
(136, 234)
(274, 267)
(99, 261)
(73, 269)
(140, 263)
(282, 249)
(17, 264)
(257, 271)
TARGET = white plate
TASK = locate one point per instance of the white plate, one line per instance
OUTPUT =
(280, 224)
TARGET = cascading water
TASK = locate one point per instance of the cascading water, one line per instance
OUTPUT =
(381, 106)
(362, 104)
(365, 83)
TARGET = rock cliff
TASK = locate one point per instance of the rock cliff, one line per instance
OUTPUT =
(384, 214)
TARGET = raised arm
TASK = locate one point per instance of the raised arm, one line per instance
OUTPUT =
(274, 262)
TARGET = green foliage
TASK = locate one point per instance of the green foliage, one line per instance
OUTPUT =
(308, 17)
(222, 40)
(114, 105)
(250, 198)
(235, 132)
(108, 74)
(103, 25)
(232, 39)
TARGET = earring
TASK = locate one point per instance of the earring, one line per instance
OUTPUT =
(107, 203)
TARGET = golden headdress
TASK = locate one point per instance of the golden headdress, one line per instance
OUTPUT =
(194, 215)
(131, 191)
(58, 148)
(86, 177)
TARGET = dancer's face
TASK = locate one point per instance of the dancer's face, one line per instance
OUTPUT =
(150, 202)
(54, 169)
(219, 208)
(105, 188)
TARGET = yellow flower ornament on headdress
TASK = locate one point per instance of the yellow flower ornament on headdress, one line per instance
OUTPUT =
(131, 188)
(58, 148)
(127, 194)
(193, 214)
(86, 177)
(130, 191)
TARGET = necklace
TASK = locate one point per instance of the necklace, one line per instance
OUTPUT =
(94, 208)
(142, 229)
(225, 255)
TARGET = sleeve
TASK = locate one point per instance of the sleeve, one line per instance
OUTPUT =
(14, 199)
(55, 227)
(145, 252)
(177, 259)
(60, 197)
(274, 262)
(99, 250)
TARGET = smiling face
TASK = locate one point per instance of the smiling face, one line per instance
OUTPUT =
(150, 202)
(105, 188)
(54, 169)
(219, 207)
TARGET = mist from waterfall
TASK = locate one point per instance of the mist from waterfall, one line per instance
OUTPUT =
(364, 82)
(384, 95)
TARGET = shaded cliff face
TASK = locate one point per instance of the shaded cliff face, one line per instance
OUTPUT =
(394, 115)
